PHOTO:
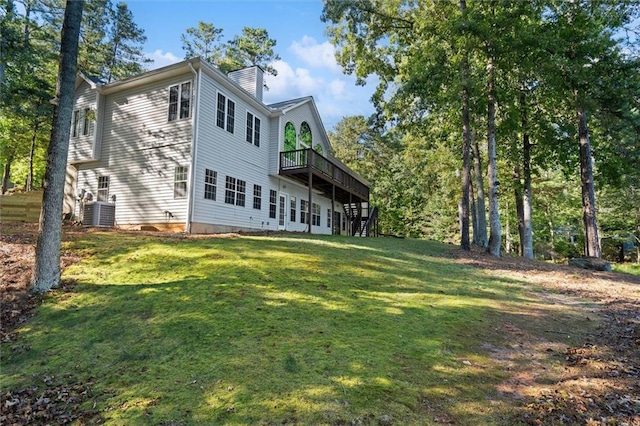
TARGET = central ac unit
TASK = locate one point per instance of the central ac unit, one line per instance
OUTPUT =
(99, 213)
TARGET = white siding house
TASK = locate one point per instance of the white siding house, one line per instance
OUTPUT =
(190, 149)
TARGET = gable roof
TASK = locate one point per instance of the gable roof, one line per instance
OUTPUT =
(92, 81)
(285, 106)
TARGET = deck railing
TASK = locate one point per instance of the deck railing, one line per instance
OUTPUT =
(304, 158)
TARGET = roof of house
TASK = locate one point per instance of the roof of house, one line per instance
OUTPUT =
(292, 103)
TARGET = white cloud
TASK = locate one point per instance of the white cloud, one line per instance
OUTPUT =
(337, 89)
(335, 97)
(161, 59)
(291, 83)
(316, 55)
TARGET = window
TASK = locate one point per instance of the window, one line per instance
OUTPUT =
(231, 115)
(226, 113)
(103, 188)
(180, 182)
(210, 182)
(256, 132)
(179, 101)
(257, 197)
(86, 122)
(253, 129)
(289, 137)
(241, 195)
(273, 195)
(222, 102)
(306, 139)
(235, 191)
(328, 218)
(315, 218)
(74, 123)
(292, 209)
(283, 210)
(249, 137)
(304, 211)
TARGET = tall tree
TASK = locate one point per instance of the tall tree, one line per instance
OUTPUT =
(582, 48)
(253, 47)
(204, 41)
(481, 216)
(46, 273)
(124, 57)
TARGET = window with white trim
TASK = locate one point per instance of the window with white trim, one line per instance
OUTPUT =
(304, 211)
(179, 101)
(253, 129)
(74, 123)
(231, 115)
(273, 206)
(306, 138)
(210, 184)
(257, 197)
(225, 117)
(180, 177)
(315, 216)
(235, 191)
(103, 188)
(87, 122)
(328, 218)
(293, 209)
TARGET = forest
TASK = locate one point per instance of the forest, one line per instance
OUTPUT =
(512, 125)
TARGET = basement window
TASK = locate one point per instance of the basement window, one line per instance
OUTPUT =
(180, 182)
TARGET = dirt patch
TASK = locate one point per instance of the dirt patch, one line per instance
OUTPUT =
(578, 362)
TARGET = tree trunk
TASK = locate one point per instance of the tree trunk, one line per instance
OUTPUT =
(46, 272)
(526, 237)
(29, 184)
(480, 197)
(465, 244)
(517, 192)
(495, 233)
(474, 212)
(507, 230)
(591, 239)
(6, 173)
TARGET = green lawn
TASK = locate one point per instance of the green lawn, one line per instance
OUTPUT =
(270, 330)
(627, 268)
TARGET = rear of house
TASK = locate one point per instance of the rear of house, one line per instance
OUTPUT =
(190, 149)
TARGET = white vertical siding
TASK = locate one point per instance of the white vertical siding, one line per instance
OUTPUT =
(229, 154)
(140, 150)
(296, 116)
(250, 79)
(81, 147)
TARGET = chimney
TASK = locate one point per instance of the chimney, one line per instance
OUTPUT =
(250, 79)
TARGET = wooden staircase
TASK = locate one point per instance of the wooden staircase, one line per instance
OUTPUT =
(362, 219)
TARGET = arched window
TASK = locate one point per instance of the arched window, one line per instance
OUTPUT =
(318, 149)
(289, 137)
(305, 135)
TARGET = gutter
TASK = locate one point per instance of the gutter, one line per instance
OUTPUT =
(194, 138)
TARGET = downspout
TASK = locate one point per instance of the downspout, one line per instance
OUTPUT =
(194, 138)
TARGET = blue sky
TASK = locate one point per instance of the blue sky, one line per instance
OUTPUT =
(307, 66)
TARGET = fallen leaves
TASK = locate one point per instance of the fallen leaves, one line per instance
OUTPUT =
(54, 401)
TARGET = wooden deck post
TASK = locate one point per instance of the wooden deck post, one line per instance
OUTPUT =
(309, 205)
(333, 202)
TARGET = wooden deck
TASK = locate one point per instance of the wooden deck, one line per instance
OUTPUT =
(319, 173)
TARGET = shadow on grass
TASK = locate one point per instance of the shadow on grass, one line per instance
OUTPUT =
(259, 330)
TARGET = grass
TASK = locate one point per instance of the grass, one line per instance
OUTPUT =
(627, 268)
(271, 330)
